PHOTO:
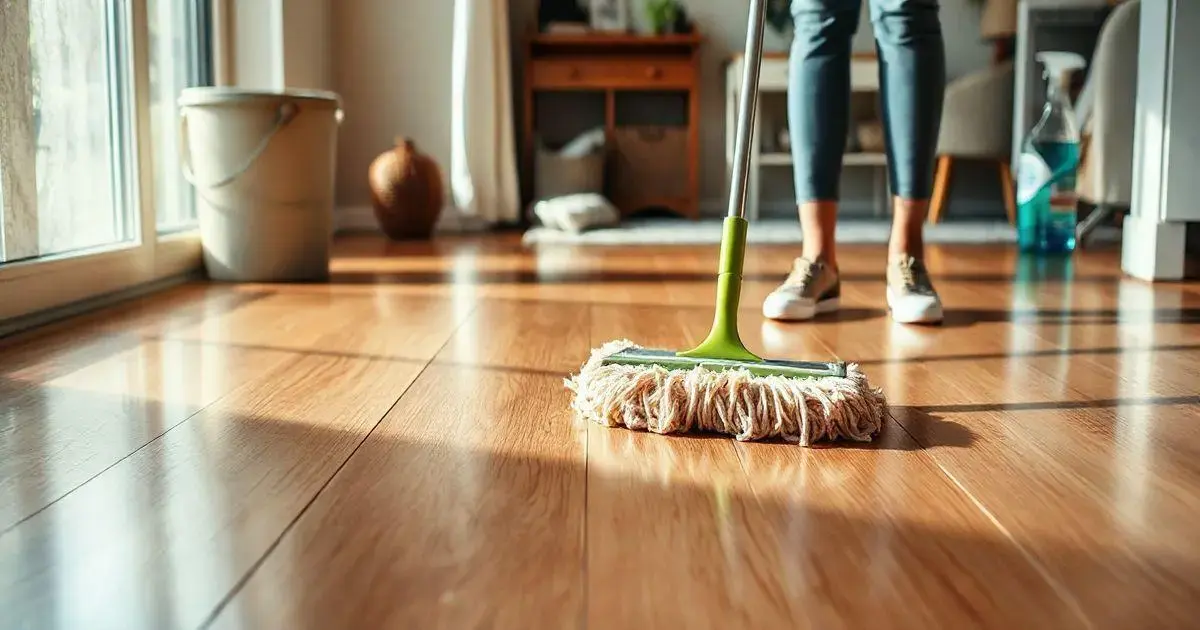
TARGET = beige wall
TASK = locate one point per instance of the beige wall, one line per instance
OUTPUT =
(391, 64)
(308, 43)
(279, 43)
(255, 43)
(723, 23)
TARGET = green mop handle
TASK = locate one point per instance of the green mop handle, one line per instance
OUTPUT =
(723, 340)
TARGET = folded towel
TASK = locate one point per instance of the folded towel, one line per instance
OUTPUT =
(576, 213)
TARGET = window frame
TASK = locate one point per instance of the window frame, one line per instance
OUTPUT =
(36, 285)
(18, 149)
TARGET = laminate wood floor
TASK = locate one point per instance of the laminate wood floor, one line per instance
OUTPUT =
(394, 449)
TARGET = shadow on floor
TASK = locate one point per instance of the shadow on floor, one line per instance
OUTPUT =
(951, 434)
(470, 501)
(75, 342)
(965, 317)
(369, 356)
(931, 431)
(1062, 405)
(1029, 354)
(842, 315)
(958, 317)
(471, 276)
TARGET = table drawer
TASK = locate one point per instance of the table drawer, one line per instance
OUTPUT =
(611, 73)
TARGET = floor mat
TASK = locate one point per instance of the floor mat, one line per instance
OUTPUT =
(671, 231)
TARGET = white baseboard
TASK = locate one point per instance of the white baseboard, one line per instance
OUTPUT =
(1152, 250)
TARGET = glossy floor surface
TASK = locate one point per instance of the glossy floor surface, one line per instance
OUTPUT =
(394, 449)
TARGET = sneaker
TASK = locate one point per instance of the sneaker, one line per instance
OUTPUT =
(811, 288)
(910, 294)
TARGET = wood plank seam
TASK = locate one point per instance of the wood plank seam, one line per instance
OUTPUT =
(220, 606)
(1059, 589)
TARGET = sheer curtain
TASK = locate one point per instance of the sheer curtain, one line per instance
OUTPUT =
(483, 161)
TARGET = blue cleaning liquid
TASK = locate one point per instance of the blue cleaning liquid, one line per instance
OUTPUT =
(1046, 215)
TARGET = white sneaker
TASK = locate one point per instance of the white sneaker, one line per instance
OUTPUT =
(810, 288)
(910, 294)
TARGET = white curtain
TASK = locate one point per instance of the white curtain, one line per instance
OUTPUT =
(483, 158)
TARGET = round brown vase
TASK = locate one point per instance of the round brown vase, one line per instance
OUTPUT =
(406, 191)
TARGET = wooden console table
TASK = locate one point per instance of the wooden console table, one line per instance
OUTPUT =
(614, 63)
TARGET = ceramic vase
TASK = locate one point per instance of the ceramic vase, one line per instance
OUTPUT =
(406, 191)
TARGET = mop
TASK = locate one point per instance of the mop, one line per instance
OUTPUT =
(720, 386)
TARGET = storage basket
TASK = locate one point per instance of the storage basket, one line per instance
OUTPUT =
(649, 163)
(557, 175)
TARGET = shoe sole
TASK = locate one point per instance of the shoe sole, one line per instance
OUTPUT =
(824, 306)
(933, 316)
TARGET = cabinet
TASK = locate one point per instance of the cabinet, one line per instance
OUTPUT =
(645, 159)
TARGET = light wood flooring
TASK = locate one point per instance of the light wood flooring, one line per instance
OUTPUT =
(394, 450)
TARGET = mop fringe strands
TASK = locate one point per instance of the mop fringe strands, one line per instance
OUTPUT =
(737, 402)
(720, 386)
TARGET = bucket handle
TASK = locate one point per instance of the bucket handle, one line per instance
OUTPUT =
(285, 114)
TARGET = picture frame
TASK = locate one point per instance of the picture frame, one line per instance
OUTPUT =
(609, 15)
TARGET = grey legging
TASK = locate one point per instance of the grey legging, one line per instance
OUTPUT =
(908, 40)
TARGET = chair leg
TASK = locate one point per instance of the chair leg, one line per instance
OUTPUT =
(1101, 214)
(1008, 189)
(941, 188)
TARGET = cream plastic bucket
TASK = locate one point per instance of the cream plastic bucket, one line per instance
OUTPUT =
(262, 164)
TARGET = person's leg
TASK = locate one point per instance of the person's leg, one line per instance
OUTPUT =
(818, 115)
(908, 37)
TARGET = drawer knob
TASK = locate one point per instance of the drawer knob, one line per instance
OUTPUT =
(573, 72)
(653, 72)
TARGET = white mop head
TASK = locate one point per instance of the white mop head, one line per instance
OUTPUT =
(733, 402)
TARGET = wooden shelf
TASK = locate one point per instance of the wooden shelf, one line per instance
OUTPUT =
(615, 39)
(849, 159)
(773, 79)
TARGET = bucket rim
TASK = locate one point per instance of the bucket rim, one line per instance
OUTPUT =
(220, 95)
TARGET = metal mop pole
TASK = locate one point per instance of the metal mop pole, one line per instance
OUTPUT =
(723, 341)
(747, 108)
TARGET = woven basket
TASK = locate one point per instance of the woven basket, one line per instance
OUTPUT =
(650, 162)
(556, 175)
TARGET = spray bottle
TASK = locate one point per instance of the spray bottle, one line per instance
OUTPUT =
(1046, 197)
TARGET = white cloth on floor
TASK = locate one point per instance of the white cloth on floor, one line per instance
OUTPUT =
(576, 213)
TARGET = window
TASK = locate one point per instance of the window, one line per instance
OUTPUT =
(180, 57)
(78, 92)
(91, 194)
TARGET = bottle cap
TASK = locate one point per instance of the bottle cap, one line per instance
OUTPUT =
(1057, 62)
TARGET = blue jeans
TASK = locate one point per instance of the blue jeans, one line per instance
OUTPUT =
(912, 76)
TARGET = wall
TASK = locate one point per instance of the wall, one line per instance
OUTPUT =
(276, 43)
(975, 190)
(256, 43)
(307, 43)
(391, 65)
